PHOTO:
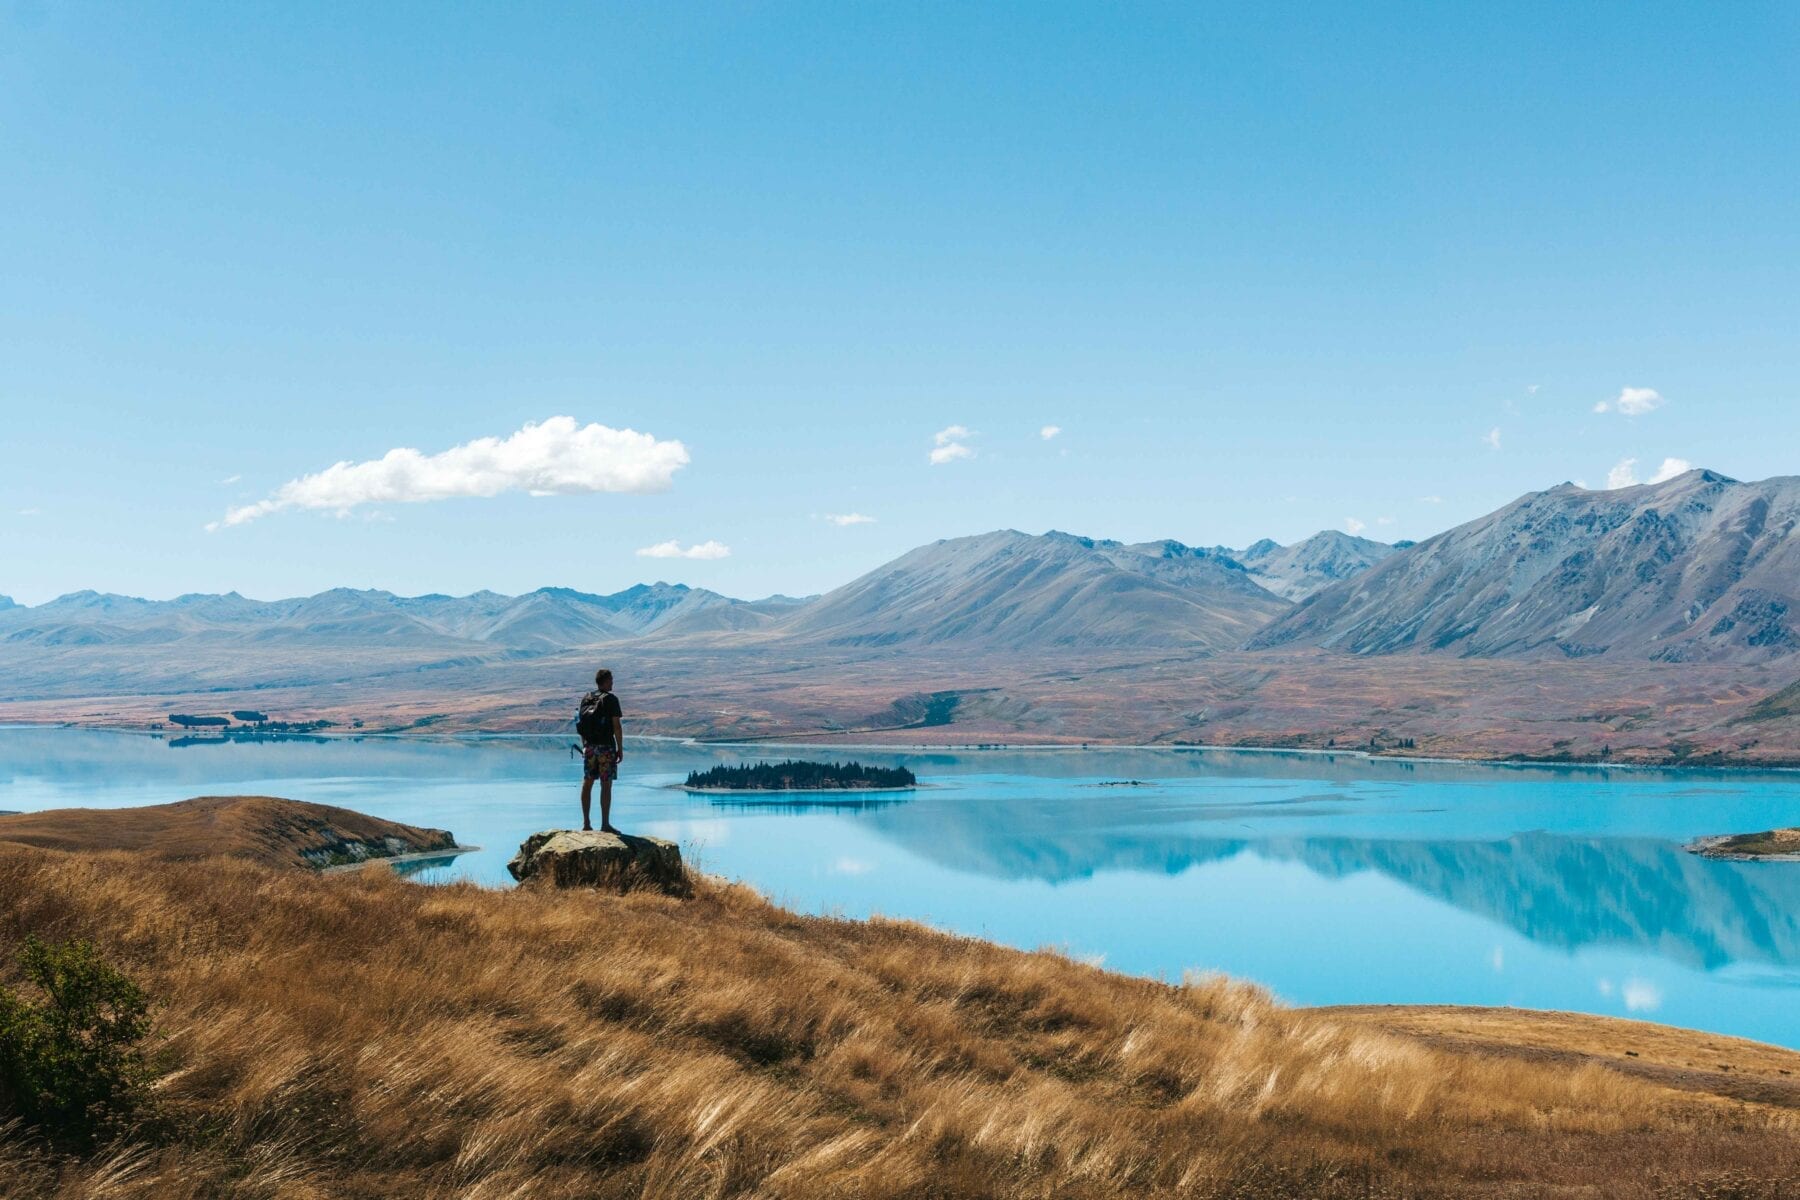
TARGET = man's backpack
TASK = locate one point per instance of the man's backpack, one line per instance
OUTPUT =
(590, 721)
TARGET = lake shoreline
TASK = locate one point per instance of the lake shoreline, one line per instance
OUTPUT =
(426, 735)
(1715, 848)
(395, 860)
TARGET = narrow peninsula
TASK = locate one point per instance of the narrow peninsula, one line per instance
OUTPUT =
(1771, 845)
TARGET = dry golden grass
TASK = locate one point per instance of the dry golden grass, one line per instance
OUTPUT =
(357, 1036)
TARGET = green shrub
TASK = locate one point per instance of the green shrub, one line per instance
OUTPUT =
(70, 1059)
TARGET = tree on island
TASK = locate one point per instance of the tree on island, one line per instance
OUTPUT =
(191, 722)
(795, 775)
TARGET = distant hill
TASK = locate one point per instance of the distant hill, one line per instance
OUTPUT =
(1297, 571)
(1015, 591)
(547, 619)
(1700, 568)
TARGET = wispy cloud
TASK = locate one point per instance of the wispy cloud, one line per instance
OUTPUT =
(1640, 995)
(1632, 402)
(1049, 431)
(1671, 467)
(674, 549)
(1431, 499)
(1354, 527)
(30, 512)
(1491, 439)
(843, 519)
(556, 457)
(229, 480)
(950, 444)
(1624, 472)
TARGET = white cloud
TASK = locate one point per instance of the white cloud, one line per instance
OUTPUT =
(1384, 520)
(229, 480)
(30, 512)
(1352, 526)
(950, 444)
(1431, 499)
(843, 519)
(1049, 431)
(1671, 467)
(674, 549)
(1531, 389)
(1492, 438)
(1632, 402)
(556, 457)
(1624, 473)
(1640, 995)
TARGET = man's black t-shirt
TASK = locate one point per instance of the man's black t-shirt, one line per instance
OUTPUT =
(609, 712)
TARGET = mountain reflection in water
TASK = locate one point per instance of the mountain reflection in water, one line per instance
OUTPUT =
(1569, 892)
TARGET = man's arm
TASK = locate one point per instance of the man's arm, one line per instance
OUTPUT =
(619, 735)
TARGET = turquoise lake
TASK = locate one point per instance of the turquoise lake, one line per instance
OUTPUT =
(1328, 878)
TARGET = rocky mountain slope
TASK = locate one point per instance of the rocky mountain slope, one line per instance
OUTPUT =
(1297, 571)
(1700, 568)
(1012, 591)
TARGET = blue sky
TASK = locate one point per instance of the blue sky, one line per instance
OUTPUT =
(1269, 269)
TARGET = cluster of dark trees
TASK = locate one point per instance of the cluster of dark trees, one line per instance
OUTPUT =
(794, 776)
(248, 717)
(190, 722)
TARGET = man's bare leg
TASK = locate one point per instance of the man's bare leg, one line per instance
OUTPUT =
(587, 801)
(605, 806)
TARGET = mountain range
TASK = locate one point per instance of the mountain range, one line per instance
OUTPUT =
(548, 618)
(1700, 568)
(1006, 590)
(1651, 623)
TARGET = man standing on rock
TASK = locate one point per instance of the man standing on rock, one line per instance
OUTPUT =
(601, 726)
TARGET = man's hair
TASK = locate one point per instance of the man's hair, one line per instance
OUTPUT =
(603, 678)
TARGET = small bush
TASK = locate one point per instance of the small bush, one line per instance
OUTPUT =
(70, 1060)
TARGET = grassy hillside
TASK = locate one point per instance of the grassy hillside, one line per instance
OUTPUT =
(359, 1036)
(263, 829)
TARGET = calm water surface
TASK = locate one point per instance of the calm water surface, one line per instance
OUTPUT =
(1330, 879)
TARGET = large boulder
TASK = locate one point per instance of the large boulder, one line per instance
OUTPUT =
(589, 858)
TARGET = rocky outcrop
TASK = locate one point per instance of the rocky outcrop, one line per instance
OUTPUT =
(586, 858)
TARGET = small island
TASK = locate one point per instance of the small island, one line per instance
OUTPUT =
(1771, 845)
(797, 776)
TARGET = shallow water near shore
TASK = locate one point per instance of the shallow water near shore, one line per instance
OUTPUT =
(1329, 878)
